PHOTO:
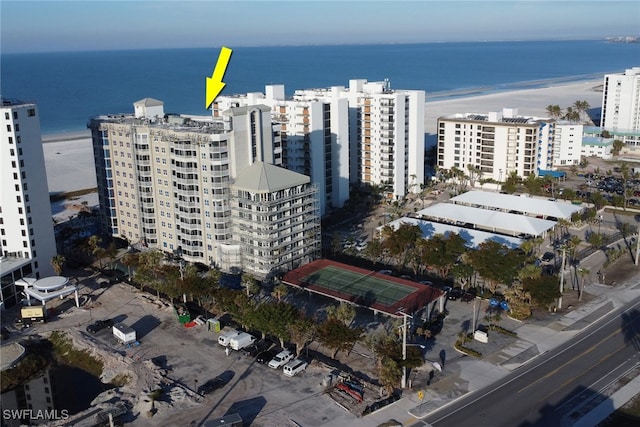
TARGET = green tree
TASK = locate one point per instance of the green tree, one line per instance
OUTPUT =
(336, 336)
(390, 374)
(544, 290)
(250, 284)
(150, 269)
(343, 312)
(617, 147)
(57, 262)
(130, 260)
(496, 263)
(554, 111)
(582, 107)
(463, 274)
(280, 291)
(302, 331)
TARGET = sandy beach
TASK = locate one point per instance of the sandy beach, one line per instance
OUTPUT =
(69, 157)
(529, 102)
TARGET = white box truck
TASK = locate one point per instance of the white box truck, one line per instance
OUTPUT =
(124, 333)
(241, 341)
(224, 338)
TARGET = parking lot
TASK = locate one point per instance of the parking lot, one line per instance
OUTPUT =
(178, 360)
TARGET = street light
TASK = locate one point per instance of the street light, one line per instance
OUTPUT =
(500, 178)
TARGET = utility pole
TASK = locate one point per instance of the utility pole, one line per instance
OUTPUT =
(403, 383)
(564, 250)
(637, 248)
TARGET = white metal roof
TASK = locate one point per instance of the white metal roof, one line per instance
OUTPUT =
(472, 237)
(264, 177)
(526, 204)
(486, 219)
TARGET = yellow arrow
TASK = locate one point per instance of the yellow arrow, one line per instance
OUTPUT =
(214, 83)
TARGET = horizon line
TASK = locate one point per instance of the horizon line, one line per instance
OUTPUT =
(252, 46)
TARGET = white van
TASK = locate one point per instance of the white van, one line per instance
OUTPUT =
(294, 367)
(224, 338)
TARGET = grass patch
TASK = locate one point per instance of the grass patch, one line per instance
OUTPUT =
(65, 353)
(503, 331)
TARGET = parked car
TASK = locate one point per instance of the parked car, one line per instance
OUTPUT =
(281, 359)
(455, 293)
(295, 367)
(256, 348)
(99, 325)
(266, 356)
(467, 297)
(548, 256)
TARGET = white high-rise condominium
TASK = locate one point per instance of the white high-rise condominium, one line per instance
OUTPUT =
(621, 105)
(315, 138)
(363, 134)
(26, 225)
(164, 181)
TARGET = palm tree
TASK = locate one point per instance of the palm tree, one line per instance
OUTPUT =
(57, 262)
(617, 146)
(572, 115)
(581, 107)
(279, 291)
(583, 273)
(554, 111)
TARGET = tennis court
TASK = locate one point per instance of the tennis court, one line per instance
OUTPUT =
(362, 287)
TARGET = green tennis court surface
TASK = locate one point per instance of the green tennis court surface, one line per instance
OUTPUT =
(379, 292)
(369, 287)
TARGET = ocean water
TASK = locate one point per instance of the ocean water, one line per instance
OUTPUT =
(71, 87)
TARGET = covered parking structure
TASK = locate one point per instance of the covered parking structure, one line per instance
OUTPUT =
(489, 220)
(472, 237)
(532, 206)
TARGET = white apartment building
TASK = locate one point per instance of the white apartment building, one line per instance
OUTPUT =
(567, 143)
(498, 143)
(26, 225)
(621, 105)
(366, 133)
(164, 180)
(314, 134)
(276, 221)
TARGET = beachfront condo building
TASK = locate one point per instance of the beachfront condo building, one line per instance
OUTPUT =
(164, 181)
(315, 138)
(26, 228)
(621, 105)
(498, 144)
(364, 134)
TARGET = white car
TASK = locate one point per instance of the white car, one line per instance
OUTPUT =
(281, 359)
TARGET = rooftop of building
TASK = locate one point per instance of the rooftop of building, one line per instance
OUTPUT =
(12, 102)
(174, 122)
(12, 263)
(264, 178)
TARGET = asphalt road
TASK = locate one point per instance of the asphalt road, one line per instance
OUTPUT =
(551, 390)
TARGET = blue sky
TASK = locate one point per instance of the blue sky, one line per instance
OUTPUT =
(35, 26)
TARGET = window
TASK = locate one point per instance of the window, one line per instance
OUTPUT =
(31, 112)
